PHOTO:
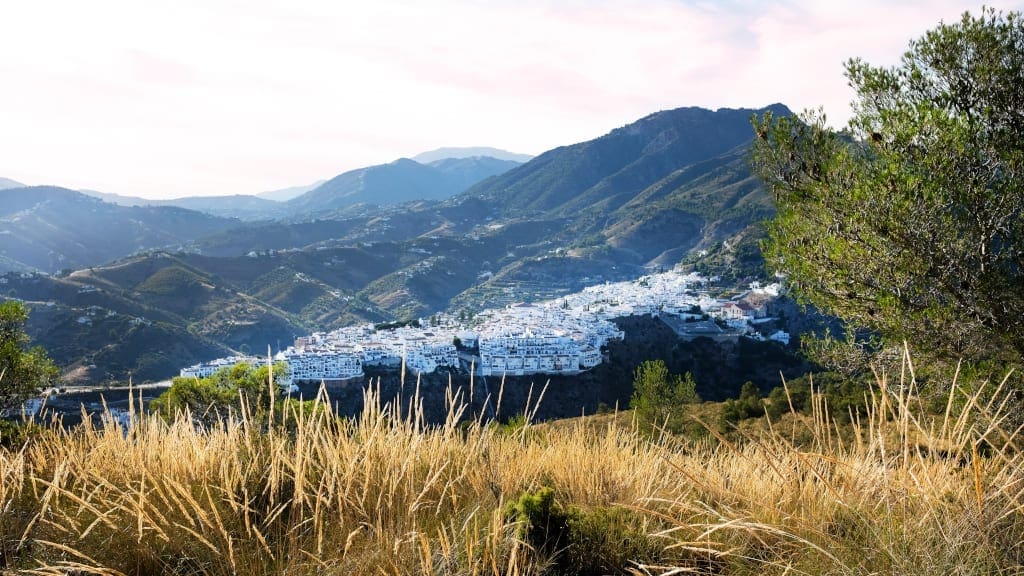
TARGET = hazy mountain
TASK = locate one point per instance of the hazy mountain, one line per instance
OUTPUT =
(50, 228)
(466, 172)
(241, 206)
(401, 181)
(8, 183)
(119, 199)
(286, 194)
(469, 152)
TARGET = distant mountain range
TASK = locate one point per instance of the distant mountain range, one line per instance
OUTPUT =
(49, 228)
(401, 181)
(241, 206)
(672, 187)
(470, 152)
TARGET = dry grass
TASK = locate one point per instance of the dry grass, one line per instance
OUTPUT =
(896, 494)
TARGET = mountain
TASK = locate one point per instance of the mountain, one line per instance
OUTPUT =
(469, 152)
(119, 199)
(50, 228)
(241, 206)
(8, 183)
(286, 194)
(401, 181)
(672, 187)
(605, 173)
(465, 172)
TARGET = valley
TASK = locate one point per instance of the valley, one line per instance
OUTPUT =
(672, 187)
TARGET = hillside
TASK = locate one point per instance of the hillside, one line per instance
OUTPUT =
(465, 172)
(898, 491)
(605, 173)
(50, 229)
(151, 314)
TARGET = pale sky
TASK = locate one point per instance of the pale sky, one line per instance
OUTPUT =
(199, 97)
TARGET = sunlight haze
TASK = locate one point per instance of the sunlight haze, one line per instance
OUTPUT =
(162, 100)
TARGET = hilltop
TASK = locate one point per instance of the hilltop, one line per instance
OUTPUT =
(382, 492)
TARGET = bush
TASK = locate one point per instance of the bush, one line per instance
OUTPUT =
(748, 405)
(542, 523)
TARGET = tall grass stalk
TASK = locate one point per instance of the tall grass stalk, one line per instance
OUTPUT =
(898, 491)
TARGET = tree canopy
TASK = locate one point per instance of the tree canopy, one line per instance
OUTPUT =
(225, 391)
(909, 222)
(24, 371)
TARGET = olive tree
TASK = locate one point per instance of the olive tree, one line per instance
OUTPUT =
(24, 371)
(909, 222)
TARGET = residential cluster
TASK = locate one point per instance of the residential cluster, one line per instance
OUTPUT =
(204, 369)
(342, 354)
(539, 339)
(562, 336)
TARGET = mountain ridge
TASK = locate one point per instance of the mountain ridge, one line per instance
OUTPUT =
(631, 157)
(397, 182)
(50, 228)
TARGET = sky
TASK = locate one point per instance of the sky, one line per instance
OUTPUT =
(165, 99)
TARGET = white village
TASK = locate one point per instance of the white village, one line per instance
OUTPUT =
(561, 336)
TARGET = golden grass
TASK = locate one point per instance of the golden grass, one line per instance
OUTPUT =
(897, 493)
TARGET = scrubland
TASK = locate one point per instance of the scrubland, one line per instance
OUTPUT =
(899, 491)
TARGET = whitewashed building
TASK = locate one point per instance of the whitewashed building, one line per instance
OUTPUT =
(316, 365)
(205, 369)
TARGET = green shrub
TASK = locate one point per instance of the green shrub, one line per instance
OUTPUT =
(748, 405)
(542, 523)
(14, 434)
